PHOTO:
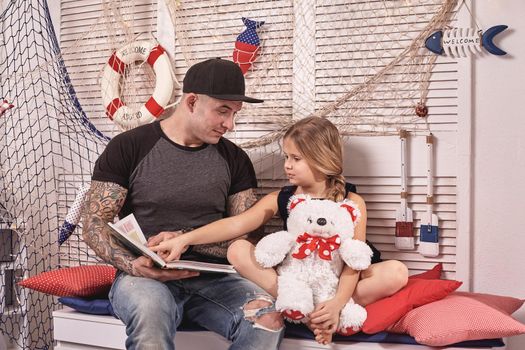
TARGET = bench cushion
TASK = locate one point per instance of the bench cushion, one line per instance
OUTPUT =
(301, 332)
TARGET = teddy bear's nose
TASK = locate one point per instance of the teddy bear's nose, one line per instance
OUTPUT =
(321, 221)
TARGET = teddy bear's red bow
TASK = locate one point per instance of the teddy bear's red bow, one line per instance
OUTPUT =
(325, 246)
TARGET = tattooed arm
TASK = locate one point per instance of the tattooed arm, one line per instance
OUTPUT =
(240, 202)
(103, 202)
(237, 204)
(247, 220)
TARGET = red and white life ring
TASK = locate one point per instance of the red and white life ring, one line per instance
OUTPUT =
(125, 117)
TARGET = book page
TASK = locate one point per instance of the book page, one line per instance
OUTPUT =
(131, 228)
(200, 266)
(128, 232)
(135, 245)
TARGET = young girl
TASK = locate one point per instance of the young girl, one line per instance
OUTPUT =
(314, 165)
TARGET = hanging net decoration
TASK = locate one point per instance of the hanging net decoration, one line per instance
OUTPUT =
(48, 147)
(47, 144)
(360, 63)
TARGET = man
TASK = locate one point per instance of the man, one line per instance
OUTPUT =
(175, 175)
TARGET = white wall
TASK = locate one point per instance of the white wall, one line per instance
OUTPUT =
(499, 159)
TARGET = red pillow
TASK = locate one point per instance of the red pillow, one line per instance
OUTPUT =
(417, 292)
(459, 317)
(505, 304)
(78, 281)
(433, 274)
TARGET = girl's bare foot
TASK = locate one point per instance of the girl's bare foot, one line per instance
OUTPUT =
(323, 336)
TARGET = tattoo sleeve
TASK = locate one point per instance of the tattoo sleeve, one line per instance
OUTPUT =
(239, 203)
(236, 204)
(103, 202)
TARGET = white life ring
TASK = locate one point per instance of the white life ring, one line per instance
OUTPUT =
(125, 117)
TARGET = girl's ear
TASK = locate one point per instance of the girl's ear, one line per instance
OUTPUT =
(352, 210)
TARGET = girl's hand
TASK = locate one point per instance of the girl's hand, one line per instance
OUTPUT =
(162, 236)
(325, 319)
(169, 248)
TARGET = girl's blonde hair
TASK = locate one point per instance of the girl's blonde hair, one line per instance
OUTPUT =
(320, 144)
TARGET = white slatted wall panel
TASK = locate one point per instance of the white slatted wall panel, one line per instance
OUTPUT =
(86, 49)
(339, 67)
(85, 57)
(211, 27)
(337, 73)
(372, 163)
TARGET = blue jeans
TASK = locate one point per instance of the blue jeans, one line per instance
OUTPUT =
(152, 310)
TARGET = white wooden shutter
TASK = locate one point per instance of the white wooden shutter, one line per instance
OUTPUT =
(86, 48)
(372, 163)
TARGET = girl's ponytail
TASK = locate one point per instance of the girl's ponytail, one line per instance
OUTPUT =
(336, 188)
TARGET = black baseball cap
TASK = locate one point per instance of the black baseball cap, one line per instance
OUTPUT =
(217, 78)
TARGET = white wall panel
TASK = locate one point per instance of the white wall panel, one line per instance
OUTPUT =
(372, 163)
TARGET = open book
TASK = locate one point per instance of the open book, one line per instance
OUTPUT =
(128, 232)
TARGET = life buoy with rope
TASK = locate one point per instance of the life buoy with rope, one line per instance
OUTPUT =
(145, 51)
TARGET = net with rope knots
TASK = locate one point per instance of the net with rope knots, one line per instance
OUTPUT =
(46, 144)
(360, 63)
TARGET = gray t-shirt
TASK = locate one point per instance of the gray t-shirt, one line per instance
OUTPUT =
(173, 187)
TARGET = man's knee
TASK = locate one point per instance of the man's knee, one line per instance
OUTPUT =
(262, 314)
(143, 299)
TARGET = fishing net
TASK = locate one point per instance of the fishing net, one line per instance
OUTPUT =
(47, 144)
(360, 63)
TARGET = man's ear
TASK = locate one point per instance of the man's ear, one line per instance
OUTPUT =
(189, 101)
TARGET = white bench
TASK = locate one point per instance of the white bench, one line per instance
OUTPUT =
(77, 331)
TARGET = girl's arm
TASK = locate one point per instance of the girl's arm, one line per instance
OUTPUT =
(325, 318)
(221, 230)
(326, 314)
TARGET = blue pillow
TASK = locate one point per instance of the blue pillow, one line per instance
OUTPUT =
(89, 306)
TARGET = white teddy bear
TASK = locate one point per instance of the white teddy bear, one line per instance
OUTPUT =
(312, 254)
